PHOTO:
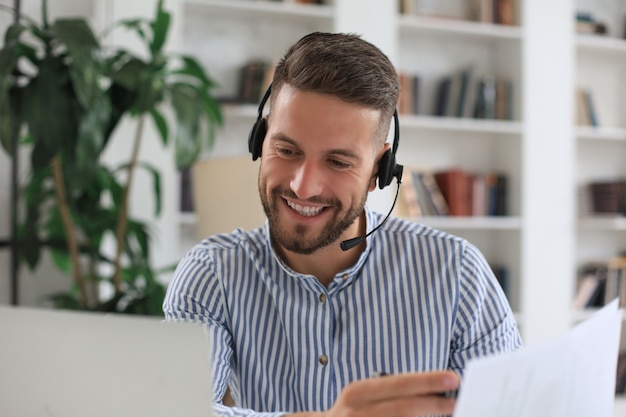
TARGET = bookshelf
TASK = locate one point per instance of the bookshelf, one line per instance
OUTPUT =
(599, 67)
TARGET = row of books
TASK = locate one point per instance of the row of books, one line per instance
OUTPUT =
(586, 23)
(599, 283)
(504, 12)
(461, 95)
(607, 197)
(452, 192)
(254, 78)
(586, 114)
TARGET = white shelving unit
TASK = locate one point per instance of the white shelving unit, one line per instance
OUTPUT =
(601, 151)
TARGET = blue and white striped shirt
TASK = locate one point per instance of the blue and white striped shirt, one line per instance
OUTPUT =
(417, 299)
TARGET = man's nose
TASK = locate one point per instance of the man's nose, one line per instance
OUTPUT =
(307, 180)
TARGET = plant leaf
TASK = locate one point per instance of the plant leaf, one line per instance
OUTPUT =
(75, 34)
(10, 118)
(82, 46)
(160, 27)
(138, 231)
(49, 110)
(62, 260)
(121, 100)
(130, 74)
(156, 185)
(8, 61)
(186, 105)
(13, 33)
(90, 142)
(161, 125)
(191, 67)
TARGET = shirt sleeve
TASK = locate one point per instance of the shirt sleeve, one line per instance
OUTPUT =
(484, 323)
(195, 294)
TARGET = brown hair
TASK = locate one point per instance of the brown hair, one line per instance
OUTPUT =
(345, 66)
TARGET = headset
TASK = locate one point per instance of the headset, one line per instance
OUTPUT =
(388, 168)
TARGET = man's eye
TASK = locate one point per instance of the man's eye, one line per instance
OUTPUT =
(285, 151)
(339, 164)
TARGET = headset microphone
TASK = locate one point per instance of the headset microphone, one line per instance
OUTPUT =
(350, 243)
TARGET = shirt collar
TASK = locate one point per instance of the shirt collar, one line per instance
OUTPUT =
(342, 277)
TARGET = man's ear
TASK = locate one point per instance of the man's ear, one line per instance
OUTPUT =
(376, 169)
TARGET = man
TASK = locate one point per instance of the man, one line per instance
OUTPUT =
(301, 325)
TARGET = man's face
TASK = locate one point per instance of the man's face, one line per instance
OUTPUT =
(318, 164)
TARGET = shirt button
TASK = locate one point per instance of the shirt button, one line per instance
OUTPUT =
(344, 276)
(322, 298)
(323, 360)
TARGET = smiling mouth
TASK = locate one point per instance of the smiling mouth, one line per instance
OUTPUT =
(306, 211)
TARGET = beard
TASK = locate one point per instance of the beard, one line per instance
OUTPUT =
(295, 240)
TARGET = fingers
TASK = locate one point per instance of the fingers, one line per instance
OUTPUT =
(404, 385)
(428, 405)
(410, 394)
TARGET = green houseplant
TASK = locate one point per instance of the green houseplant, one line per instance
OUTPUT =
(62, 94)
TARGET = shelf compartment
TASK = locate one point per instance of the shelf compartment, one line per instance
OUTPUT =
(600, 133)
(461, 124)
(601, 44)
(603, 223)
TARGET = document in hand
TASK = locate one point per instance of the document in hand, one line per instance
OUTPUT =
(573, 376)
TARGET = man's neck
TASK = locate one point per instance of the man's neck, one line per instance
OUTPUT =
(327, 262)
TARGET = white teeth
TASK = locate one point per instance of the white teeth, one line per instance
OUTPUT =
(305, 211)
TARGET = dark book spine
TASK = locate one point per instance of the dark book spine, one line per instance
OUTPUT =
(186, 195)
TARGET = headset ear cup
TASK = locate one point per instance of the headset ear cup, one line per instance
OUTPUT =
(385, 169)
(256, 137)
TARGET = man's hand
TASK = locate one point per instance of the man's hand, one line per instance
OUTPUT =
(402, 395)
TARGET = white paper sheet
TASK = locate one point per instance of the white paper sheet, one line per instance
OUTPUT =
(573, 376)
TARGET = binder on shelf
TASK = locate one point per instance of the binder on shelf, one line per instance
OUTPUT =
(608, 197)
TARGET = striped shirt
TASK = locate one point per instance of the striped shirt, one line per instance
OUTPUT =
(417, 299)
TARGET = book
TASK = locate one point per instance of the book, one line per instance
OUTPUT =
(442, 96)
(620, 374)
(186, 195)
(590, 286)
(501, 195)
(607, 197)
(251, 79)
(423, 200)
(508, 10)
(479, 195)
(485, 107)
(407, 93)
(408, 204)
(593, 115)
(582, 114)
(416, 94)
(454, 186)
(437, 198)
(616, 272)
